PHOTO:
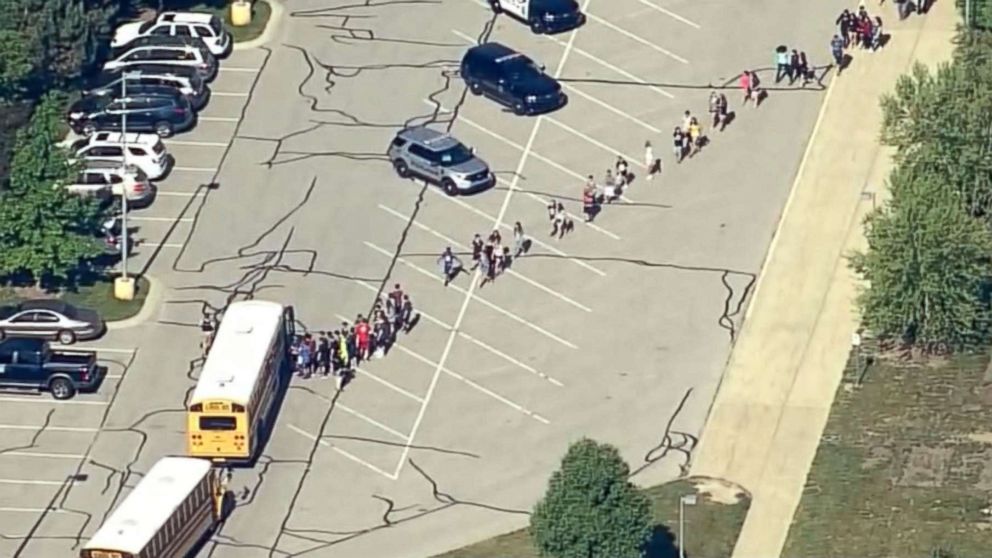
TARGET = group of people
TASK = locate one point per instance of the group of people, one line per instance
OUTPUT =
(489, 256)
(793, 65)
(594, 195)
(855, 30)
(336, 352)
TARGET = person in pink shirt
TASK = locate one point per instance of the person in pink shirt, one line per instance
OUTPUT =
(746, 85)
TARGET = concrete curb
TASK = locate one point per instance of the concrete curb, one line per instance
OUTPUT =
(147, 309)
(275, 20)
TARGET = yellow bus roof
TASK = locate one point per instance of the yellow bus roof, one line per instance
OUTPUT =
(237, 354)
(146, 509)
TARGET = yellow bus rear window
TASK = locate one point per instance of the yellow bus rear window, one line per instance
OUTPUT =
(218, 423)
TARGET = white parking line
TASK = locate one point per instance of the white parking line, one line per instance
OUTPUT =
(637, 38)
(227, 94)
(238, 69)
(506, 226)
(191, 143)
(194, 169)
(671, 14)
(471, 339)
(483, 301)
(178, 194)
(172, 245)
(217, 119)
(41, 455)
(611, 108)
(633, 161)
(33, 482)
(50, 401)
(475, 385)
(461, 246)
(615, 69)
(371, 421)
(161, 219)
(47, 428)
(32, 510)
(325, 443)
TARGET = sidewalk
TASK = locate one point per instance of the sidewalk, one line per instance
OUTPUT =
(769, 413)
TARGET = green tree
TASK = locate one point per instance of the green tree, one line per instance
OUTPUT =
(941, 123)
(45, 232)
(927, 266)
(590, 509)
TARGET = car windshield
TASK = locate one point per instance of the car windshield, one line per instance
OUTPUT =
(455, 155)
(145, 27)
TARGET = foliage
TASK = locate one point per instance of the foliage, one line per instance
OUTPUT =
(45, 232)
(52, 43)
(927, 266)
(590, 508)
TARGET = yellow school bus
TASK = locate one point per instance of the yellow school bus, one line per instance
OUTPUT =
(175, 506)
(232, 403)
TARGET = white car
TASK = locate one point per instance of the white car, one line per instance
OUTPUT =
(144, 151)
(105, 179)
(205, 27)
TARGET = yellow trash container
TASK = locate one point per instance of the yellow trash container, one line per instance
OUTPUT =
(240, 13)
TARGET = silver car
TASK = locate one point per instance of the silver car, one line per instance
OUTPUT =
(440, 159)
(50, 319)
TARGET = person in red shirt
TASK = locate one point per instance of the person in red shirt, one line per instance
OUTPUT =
(362, 333)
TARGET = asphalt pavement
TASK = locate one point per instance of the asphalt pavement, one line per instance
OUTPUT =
(620, 331)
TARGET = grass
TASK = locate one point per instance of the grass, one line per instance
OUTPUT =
(904, 466)
(261, 10)
(711, 528)
(98, 296)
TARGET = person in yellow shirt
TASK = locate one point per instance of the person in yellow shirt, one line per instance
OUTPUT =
(695, 136)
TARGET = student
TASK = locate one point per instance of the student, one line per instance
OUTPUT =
(794, 69)
(450, 266)
(406, 314)
(837, 50)
(623, 170)
(782, 68)
(678, 144)
(518, 240)
(695, 137)
(721, 111)
(745, 83)
(476, 250)
(362, 338)
(804, 70)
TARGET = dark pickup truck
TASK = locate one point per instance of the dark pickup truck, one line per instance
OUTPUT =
(31, 364)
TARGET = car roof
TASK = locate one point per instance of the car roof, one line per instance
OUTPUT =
(428, 137)
(185, 17)
(54, 305)
(491, 51)
(22, 343)
(147, 140)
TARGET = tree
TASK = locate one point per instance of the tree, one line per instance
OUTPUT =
(45, 231)
(590, 509)
(927, 266)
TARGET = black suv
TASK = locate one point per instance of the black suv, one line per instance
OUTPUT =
(31, 364)
(510, 78)
(184, 80)
(161, 114)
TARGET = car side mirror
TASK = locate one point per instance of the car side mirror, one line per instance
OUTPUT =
(471, 150)
(543, 67)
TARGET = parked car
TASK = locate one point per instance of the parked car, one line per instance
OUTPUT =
(543, 16)
(206, 27)
(511, 79)
(168, 55)
(163, 41)
(107, 179)
(143, 80)
(50, 319)
(164, 115)
(31, 364)
(440, 159)
(144, 151)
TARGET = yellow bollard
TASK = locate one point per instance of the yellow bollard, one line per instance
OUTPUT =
(124, 288)
(240, 13)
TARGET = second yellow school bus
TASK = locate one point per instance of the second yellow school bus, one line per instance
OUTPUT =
(232, 403)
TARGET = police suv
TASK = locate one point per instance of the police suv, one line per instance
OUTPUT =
(543, 16)
(511, 79)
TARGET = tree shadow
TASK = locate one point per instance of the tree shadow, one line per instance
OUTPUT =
(662, 544)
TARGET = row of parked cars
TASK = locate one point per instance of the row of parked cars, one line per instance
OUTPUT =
(153, 85)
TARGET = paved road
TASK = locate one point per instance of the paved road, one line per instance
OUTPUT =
(775, 400)
(614, 332)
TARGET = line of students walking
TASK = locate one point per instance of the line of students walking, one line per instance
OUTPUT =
(338, 352)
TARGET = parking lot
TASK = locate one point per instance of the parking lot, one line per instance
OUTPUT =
(619, 331)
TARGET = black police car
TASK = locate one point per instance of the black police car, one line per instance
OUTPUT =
(511, 79)
(543, 16)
